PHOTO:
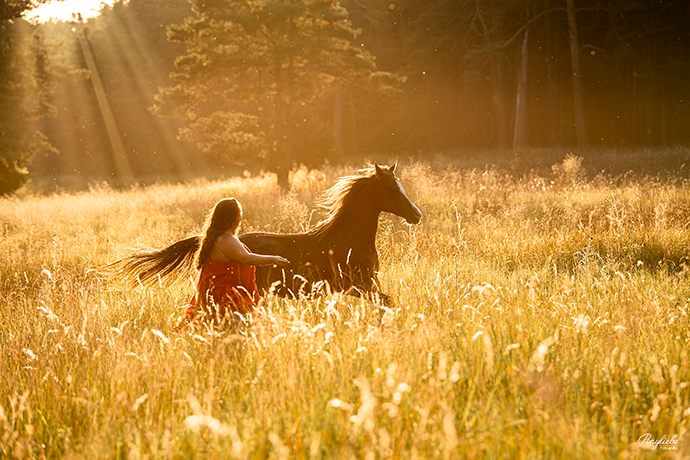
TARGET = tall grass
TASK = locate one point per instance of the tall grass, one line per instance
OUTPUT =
(540, 314)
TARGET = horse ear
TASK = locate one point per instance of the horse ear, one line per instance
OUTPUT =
(391, 168)
(379, 171)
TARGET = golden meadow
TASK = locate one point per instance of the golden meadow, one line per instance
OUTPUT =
(539, 314)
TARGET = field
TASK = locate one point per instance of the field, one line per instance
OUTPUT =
(541, 312)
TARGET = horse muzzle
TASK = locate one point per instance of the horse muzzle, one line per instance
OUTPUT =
(415, 217)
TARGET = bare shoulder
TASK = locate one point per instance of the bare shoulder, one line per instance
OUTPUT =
(229, 241)
(230, 247)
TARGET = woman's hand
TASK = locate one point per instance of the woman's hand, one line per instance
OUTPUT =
(280, 261)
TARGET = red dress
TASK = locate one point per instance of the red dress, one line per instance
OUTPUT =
(225, 288)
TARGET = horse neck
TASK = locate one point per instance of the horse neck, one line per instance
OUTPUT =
(358, 219)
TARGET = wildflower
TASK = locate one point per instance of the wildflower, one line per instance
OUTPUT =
(200, 420)
(161, 336)
(488, 344)
(365, 414)
(511, 347)
(140, 400)
(537, 361)
(339, 404)
(29, 354)
(582, 323)
(196, 422)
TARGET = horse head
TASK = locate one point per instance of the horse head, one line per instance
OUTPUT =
(393, 198)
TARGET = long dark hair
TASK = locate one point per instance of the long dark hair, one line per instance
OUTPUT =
(180, 258)
(226, 214)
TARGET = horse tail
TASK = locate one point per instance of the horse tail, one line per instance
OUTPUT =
(147, 267)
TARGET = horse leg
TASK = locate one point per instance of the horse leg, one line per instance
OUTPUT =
(384, 299)
(373, 293)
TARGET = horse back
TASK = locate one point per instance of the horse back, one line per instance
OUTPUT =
(312, 260)
(295, 247)
(292, 246)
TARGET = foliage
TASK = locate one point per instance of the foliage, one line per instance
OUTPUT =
(541, 313)
(250, 66)
(461, 58)
(14, 9)
(12, 176)
(26, 79)
(14, 171)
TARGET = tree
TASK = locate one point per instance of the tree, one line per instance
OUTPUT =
(466, 47)
(14, 9)
(521, 98)
(648, 44)
(251, 66)
(25, 80)
(576, 75)
(493, 29)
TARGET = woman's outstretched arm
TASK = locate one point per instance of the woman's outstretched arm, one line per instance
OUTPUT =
(231, 248)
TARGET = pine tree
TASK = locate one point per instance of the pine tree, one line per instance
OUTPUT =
(251, 65)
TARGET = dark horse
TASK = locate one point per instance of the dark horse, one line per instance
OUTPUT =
(338, 254)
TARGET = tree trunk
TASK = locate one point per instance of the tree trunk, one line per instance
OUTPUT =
(519, 134)
(577, 76)
(664, 138)
(338, 124)
(353, 123)
(635, 138)
(279, 160)
(498, 102)
(285, 149)
(465, 118)
(284, 132)
(648, 131)
(554, 92)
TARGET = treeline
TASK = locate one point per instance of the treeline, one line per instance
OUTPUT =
(459, 74)
(463, 60)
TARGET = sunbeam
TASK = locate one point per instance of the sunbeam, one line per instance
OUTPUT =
(128, 67)
(67, 10)
(78, 125)
(144, 71)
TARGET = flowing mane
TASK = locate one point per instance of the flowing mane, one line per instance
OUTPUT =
(337, 198)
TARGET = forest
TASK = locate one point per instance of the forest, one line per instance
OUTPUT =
(171, 89)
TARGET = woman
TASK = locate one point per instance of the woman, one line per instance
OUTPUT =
(227, 280)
